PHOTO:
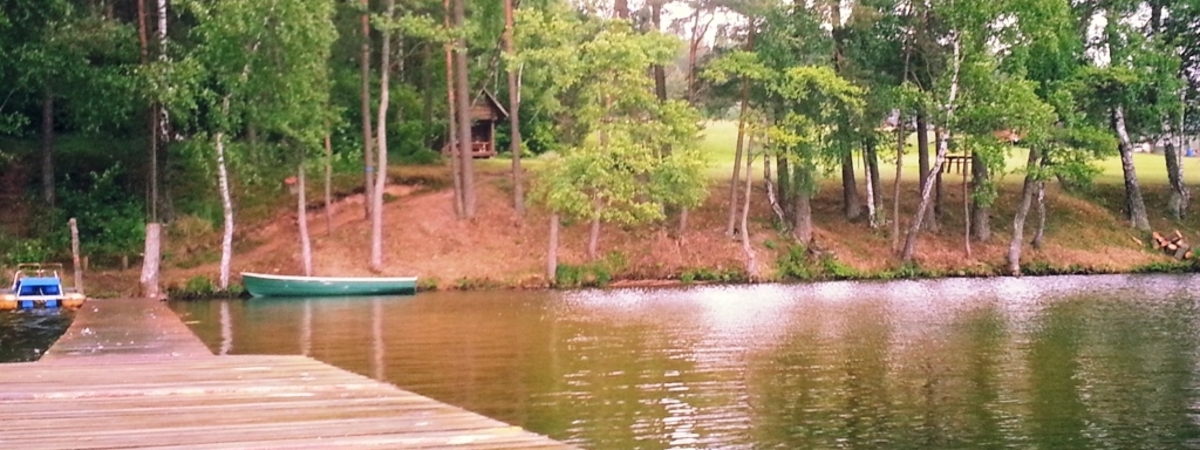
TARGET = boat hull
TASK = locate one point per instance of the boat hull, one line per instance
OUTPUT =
(264, 285)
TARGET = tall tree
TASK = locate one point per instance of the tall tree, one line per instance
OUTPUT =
(463, 108)
(514, 109)
(381, 140)
(364, 64)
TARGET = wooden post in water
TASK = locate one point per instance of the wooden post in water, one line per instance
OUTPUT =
(75, 255)
(150, 261)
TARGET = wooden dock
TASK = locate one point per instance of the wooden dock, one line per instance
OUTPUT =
(129, 374)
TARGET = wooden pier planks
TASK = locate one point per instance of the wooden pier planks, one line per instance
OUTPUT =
(129, 374)
(127, 327)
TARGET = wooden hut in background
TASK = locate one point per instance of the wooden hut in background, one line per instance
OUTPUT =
(485, 113)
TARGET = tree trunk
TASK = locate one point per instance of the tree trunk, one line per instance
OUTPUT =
(1134, 204)
(48, 148)
(980, 177)
(1039, 235)
(871, 180)
(872, 155)
(786, 193)
(164, 118)
(302, 219)
(966, 195)
(621, 9)
(743, 110)
(751, 260)
(1180, 197)
(660, 74)
(226, 208)
(910, 241)
(802, 226)
(850, 204)
(381, 143)
(514, 107)
(552, 251)
(772, 198)
(1028, 192)
(328, 185)
(593, 247)
(452, 122)
(152, 155)
(737, 160)
(364, 67)
(896, 182)
(151, 255)
(461, 94)
(931, 217)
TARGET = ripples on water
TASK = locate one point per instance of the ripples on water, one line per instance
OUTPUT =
(25, 335)
(1056, 363)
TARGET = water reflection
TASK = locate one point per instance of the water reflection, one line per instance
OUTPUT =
(1069, 362)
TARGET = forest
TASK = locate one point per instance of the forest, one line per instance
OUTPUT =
(133, 115)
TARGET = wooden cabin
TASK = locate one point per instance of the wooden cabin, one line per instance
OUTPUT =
(485, 113)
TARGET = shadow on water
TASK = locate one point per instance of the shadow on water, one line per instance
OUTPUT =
(1050, 363)
(26, 335)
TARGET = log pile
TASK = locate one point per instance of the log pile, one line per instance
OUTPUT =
(1173, 245)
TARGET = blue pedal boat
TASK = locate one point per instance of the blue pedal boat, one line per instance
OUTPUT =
(39, 286)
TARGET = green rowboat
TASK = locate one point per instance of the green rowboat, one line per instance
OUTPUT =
(264, 285)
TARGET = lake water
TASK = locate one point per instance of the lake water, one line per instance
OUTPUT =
(1100, 362)
(25, 335)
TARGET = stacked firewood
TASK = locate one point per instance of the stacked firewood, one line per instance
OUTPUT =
(1173, 245)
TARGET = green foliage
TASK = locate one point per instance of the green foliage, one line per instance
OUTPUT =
(17, 251)
(794, 264)
(594, 274)
(200, 285)
(703, 274)
(110, 221)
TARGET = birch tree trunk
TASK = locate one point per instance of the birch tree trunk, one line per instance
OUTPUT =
(381, 143)
(1028, 192)
(914, 230)
(1134, 204)
(1178, 201)
(226, 207)
(302, 219)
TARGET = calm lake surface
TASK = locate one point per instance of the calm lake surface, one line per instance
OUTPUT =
(1099, 362)
(26, 335)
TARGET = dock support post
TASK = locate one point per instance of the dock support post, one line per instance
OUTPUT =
(150, 261)
(75, 256)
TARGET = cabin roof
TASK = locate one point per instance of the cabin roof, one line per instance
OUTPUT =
(497, 110)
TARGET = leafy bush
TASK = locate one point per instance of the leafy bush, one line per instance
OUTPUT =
(27, 251)
(588, 275)
(793, 264)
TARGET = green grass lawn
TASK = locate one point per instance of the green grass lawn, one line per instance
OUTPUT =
(719, 143)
